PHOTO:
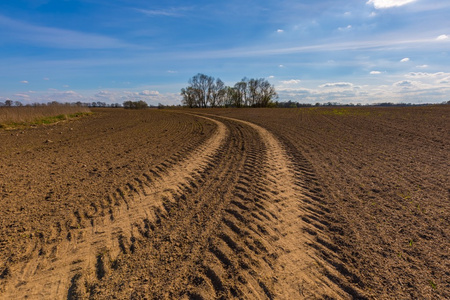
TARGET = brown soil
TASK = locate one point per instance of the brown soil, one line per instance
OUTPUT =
(57, 180)
(286, 204)
(381, 184)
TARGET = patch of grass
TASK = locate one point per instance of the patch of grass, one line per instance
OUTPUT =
(44, 120)
(433, 285)
(22, 116)
(50, 120)
(405, 196)
(337, 111)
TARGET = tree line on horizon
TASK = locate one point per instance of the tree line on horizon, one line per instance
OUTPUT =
(206, 91)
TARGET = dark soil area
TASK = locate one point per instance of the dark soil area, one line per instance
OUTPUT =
(384, 175)
(52, 175)
(310, 203)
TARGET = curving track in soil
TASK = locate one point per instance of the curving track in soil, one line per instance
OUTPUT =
(231, 220)
(235, 232)
(52, 276)
(379, 198)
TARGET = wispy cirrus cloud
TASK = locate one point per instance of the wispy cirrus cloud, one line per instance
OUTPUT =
(44, 36)
(169, 12)
(376, 44)
(23, 97)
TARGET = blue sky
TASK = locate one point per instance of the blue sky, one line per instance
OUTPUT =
(352, 51)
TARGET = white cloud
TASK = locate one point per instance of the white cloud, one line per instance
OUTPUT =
(55, 95)
(107, 96)
(24, 81)
(432, 89)
(271, 77)
(337, 85)
(375, 72)
(442, 37)
(280, 30)
(281, 66)
(46, 78)
(172, 72)
(149, 93)
(426, 75)
(410, 85)
(290, 82)
(445, 80)
(345, 28)
(406, 59)
(403, 83)
(22, 96)
(151, 97)
(70, 94)
(417, 75)
(422, 66)
(380, 4)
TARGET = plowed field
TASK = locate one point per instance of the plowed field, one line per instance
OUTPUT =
(219, 204)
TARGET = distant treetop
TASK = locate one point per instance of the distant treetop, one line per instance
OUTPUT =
(206, 91)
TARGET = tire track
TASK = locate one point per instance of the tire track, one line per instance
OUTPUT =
(237, 234)
(234, 221)
(277, 229)
(82, 255)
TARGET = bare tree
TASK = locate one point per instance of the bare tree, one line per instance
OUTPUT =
(202, 84)
(229, 97)
(189, 97)
(260, 92)
(218, 93)
(267, 92)
(134, 104)
(203, 91)
(253, 91)
(241, 93)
